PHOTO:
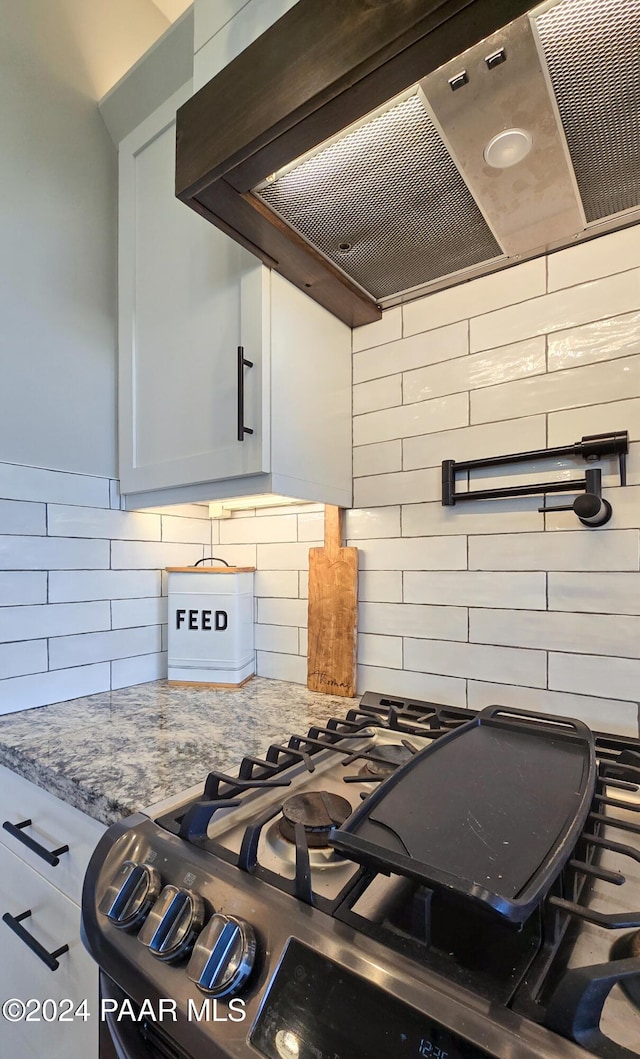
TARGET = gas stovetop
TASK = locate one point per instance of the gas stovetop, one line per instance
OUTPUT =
(234, 895)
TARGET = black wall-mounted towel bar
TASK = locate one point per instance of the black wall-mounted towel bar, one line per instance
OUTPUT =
(590, 508)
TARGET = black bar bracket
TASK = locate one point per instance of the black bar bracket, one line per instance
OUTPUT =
(590, 507)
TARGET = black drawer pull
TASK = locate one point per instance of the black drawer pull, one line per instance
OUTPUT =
(13, 922)
(52, 857)
(242, 364)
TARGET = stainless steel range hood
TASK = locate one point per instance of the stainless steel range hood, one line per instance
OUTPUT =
(411, 197)
(360, 151)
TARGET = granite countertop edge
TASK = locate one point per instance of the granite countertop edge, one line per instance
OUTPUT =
(115, 753)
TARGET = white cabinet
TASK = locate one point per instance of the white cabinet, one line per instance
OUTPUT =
(189, 298)
(51, 894)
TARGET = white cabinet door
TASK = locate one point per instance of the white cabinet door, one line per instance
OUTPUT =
(52, 1028)
(53, 824)
(189, 296)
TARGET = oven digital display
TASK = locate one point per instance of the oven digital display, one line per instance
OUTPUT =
(317, 1010)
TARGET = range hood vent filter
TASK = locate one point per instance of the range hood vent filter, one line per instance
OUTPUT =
(387, 192)
(592, 54)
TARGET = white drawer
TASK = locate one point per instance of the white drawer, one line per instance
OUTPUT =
(54, 921)
(53, 824)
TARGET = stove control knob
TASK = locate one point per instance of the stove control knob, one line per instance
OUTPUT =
(173, 924)
(131, 894)
(223, 956)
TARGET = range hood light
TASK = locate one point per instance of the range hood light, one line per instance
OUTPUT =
(508, 148)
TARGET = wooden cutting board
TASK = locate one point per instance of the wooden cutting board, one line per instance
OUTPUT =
(333, 611)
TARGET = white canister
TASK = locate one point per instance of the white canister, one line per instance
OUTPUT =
(211, 625)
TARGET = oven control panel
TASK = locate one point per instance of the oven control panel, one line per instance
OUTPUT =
(171, 922)
(316, 1007)
(133, 890)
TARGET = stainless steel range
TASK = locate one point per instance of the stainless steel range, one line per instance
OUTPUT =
(237, 923)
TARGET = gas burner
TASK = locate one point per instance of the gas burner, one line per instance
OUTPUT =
(317, 811)
(394, 755)
(627, 948)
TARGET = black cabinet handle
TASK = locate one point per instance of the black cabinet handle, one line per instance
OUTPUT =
(50, 958)
(52, 857)
(242, 364)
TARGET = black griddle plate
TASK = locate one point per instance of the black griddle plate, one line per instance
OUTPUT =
(490, 811)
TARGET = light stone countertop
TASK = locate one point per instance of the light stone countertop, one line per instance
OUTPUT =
(114, 753)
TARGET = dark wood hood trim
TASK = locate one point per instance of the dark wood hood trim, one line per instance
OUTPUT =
(323, 65)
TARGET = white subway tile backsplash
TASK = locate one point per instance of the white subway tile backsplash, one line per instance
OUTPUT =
(18, 587)
(472, 589)
(303, 508)
(281, 667)
(610, 296)
(303, 642)
(474, 372)
(385, 651)
(510, 665)
(125, 672)
(582, 549)
(137, 555)
(617, 336)
(18, 516)
(516, 516)
(617, 678)
(469, 443)
(379, 393)
(404, 487)
(406, 553)
(380, 586)
(369, 523)
(18, 659)
(52, 619)
(233, 554)
(53, 487)
(438, 345)
(561, 389)
(276, 583)
(478, 296)
(67, 651)
(70, 586)
(604, 714)
(199, 511)
(303, 584)
(426, 417)
(40, 689)
(67, 521)
(285, 556)
(127, 613)
(52, 553)
(282, 612)
(430, 686)
(572, 424)
(115, 500)
(311, 526)
(280, 638)
(377, 459)
(406, 619)
(595, 593)
(274, 528)
(387, 329)
(186, 530)
(612, 253)
(597, 634)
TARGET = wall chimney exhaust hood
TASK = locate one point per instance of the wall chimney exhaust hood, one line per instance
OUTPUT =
(378, 150)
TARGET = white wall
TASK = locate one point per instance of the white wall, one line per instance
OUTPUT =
(58, 227)
(488, 602)
(83, 605)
